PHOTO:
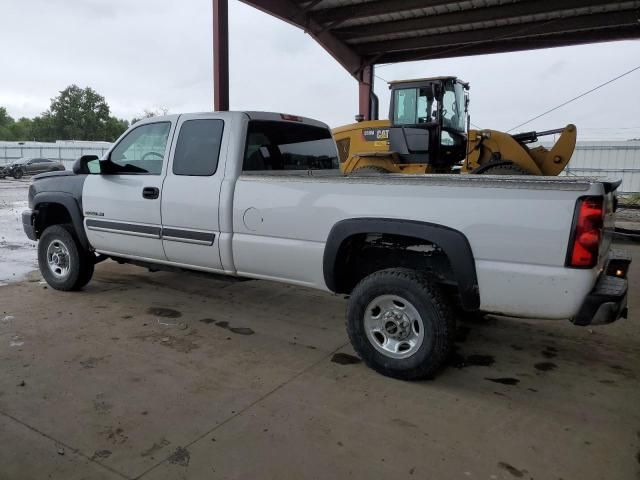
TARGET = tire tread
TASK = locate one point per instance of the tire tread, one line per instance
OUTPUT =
(443, 327)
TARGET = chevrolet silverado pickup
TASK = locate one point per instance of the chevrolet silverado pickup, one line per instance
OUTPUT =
(259, 195)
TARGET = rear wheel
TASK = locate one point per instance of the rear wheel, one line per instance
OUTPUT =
(62, 261)
(17, 174)
(370, 170)
(511, 169)
(400, 324)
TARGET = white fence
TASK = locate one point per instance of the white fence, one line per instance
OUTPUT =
(618, 160)
(66, 152)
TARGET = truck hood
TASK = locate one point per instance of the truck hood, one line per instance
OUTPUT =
(59, 173)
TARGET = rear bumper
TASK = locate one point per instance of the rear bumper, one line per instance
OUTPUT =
(27, 224)
(607, 302)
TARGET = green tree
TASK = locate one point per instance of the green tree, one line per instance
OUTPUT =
(75, 114)
(22, 129)
(79, 114)
(6, 122)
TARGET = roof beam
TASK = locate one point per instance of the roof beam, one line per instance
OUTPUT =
(535, 30)
(481, 14)
(504, 46)
(292, 13)
(369, 9)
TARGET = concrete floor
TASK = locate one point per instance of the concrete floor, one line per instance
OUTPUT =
(167, 376)
(181, 376)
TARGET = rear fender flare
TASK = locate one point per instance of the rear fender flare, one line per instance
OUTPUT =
(453, 242)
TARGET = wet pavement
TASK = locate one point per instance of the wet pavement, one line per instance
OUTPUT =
(17, 252)
(179, 376)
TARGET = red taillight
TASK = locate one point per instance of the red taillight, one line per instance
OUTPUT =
(587, 233)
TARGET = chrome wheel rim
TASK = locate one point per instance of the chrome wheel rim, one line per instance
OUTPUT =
(58, 259)
(393, 326)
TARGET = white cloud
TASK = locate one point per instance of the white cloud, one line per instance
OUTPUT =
(157, 53)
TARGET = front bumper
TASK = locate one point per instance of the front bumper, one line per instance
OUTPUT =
(27, 224)
(607, 302)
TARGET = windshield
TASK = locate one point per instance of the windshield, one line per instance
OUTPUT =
(413, 106)
(453, 111)
(21, 161)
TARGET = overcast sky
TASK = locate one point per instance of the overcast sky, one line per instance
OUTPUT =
(146, 54)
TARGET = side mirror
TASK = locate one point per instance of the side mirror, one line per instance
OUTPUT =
(81, 166)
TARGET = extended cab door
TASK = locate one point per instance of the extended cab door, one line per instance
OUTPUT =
(191, 190)
(122, 203)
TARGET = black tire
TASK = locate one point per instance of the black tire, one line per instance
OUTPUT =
(426, 298)
(87, 272)
(17, 174)
(75, 267)
(506, 170)
(370, 170)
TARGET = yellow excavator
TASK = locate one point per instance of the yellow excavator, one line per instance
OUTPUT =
(427, 132)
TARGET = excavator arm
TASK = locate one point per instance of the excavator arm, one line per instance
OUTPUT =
(487, 147)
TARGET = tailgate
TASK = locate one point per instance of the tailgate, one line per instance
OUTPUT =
(609, 220)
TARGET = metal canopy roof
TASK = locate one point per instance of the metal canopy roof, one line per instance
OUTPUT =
(358, 33)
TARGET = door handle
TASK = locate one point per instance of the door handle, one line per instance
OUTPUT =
(150, 192)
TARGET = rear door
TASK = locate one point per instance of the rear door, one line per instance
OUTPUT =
(191, 190)
(41, 165)
(122, 204)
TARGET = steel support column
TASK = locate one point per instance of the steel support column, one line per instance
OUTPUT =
(365, 92)
(220, 55)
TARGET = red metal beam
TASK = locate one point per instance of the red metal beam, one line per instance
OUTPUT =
(220, 55)
(365, 89)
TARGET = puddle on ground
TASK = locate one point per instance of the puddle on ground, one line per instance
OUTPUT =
(180, 457)
(345, 359)
(101, 454)
(164, 312)
(458, 360)
(504, 380)
(516, 472)
(545, 366)
(239, 330)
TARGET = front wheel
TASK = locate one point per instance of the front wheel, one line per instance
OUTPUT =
(400, 324)
(17, 174)
(62, 261)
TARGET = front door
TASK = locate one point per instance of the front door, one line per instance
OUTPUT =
(122, 204)
(191, 191)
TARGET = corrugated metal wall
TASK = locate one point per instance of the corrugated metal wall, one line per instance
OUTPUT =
(619, 160)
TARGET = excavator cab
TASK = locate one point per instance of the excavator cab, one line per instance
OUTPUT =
(429, 121)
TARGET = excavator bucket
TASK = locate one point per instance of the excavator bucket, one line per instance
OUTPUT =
(552, 161)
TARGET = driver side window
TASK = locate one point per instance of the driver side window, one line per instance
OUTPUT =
(142, 150)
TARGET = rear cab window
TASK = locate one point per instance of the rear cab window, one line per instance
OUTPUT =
(198, 147)
(274, 145)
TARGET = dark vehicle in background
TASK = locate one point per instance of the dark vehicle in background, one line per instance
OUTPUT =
(30, 166)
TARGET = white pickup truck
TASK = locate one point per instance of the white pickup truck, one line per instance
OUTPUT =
(259, 195)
